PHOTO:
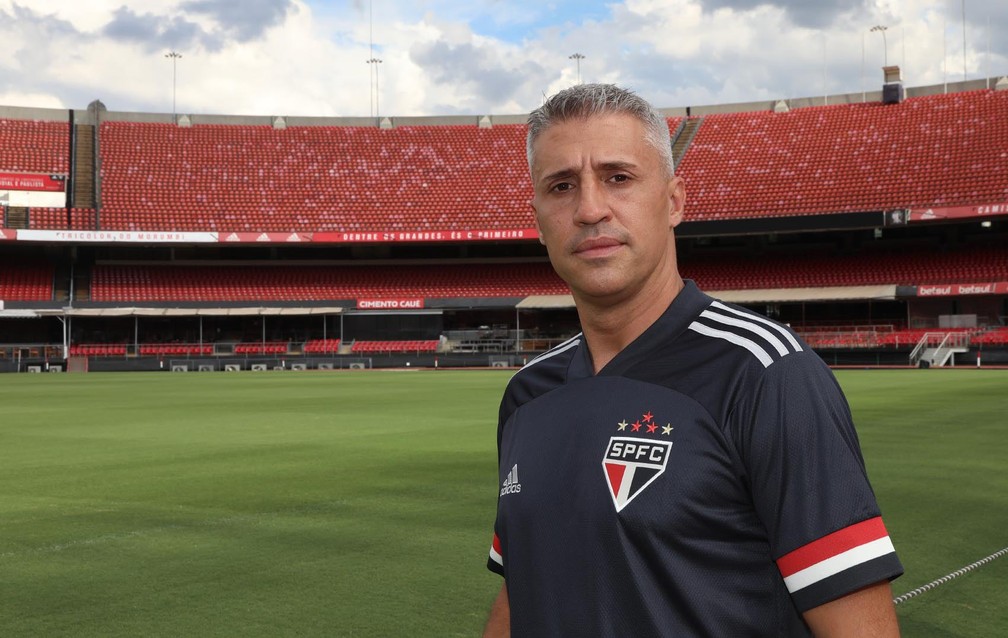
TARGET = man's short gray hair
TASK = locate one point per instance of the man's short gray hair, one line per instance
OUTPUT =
(587, 100)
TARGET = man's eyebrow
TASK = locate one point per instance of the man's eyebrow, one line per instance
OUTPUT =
(564, 173)
(560, 174)
(617, 165)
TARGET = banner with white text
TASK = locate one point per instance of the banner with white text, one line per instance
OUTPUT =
(957, 290)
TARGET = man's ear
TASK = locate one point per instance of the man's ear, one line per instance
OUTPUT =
(535, 219)
(677, 200)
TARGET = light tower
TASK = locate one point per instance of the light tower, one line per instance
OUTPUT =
(881, 28)
(174, 55)
(577, 57)
(374, 62)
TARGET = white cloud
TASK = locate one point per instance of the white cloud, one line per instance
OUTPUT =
(474, 57)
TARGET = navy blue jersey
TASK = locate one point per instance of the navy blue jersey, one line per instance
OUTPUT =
(708, 481)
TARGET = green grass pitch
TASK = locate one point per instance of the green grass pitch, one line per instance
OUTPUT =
(361, 503)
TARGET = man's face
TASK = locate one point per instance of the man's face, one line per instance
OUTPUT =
(605, 207)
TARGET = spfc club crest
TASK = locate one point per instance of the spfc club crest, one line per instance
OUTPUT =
(631, 464)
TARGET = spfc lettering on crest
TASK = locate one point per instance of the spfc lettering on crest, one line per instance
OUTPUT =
(631, 465)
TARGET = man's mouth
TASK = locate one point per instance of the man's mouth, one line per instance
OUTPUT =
(597, 247)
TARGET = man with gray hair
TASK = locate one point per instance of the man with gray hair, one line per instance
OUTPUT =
(681, 467)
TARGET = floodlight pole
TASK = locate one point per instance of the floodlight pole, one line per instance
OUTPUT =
(881, 28)
(577, 57)
(863, 95)
(964, 38)
(377, 108)
(174, 55)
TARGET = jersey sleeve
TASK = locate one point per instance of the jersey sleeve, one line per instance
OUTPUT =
(804, 467)
(495, 561)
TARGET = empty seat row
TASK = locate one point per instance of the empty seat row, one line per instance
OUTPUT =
(26, 281)
(908, 267)
(321, 346)
(320, 283)
(995, 337)
(176, 349)
(900, 338)
(275, 347)
(59, 219)
(429, 345)
(34, 146)
(98, 350)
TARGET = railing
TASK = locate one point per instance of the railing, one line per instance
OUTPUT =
(941, 344)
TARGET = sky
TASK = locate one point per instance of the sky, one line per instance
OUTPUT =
(477, 57)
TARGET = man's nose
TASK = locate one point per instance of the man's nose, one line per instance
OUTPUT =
(592, 206)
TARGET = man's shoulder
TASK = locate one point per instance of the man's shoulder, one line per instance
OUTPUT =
(725, 330)
(722, 354)
(540, 375)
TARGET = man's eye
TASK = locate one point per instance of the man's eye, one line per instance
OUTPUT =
(619, 178)
(562, 187)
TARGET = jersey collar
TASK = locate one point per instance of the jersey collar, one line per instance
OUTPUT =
(690, 302)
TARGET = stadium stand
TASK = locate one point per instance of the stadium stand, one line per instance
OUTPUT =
(808, 198)
(885, 338)
(996, 337)
(262, 348)
(26, 282)
(374, 347)
(34, 146)
(905, 267)
(56, 218)
(926, 151)
(936, 150)
(174, 349)
(98, 350)
(321, 346)
(902, 338)
(318, 283)
(256, 178)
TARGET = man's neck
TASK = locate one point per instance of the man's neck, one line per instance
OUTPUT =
(609, 327)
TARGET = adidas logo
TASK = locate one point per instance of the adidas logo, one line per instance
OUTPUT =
(511, 484)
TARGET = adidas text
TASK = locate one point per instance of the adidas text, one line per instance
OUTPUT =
(510, 489)
(511, 484)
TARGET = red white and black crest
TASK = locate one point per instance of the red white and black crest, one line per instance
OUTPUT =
(631, 464)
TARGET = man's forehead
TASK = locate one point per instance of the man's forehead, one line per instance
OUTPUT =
(594, 122)
(601, 139)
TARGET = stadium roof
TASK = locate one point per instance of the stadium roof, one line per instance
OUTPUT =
(782, 295)
(766, 295)
(537, 302)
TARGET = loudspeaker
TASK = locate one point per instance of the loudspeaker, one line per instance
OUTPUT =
(892, 93)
